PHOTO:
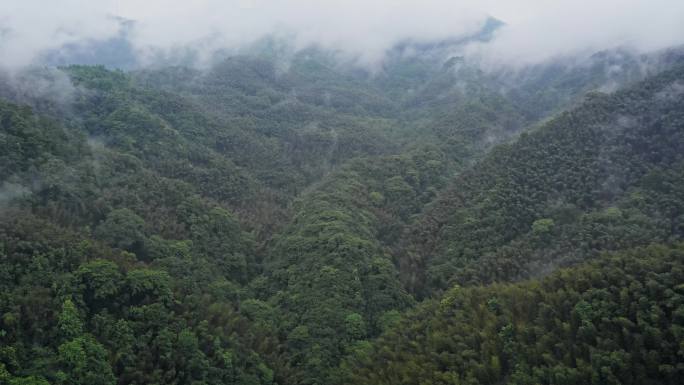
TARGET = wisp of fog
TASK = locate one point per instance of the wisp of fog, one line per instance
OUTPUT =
(534, 31)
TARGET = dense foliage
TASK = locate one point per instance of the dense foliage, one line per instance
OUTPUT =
(606, 175)
(293, 221)
(619, 320)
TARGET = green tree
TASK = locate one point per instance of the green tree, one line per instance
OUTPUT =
(123, 229)
(84, 361)
(69, 321)
(99, 282)
(355, 327)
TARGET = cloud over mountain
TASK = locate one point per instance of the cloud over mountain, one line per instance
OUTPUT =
(535, 30)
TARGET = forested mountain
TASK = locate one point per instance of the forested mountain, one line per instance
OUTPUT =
(285, 218)
(617, 320)
(594, 178)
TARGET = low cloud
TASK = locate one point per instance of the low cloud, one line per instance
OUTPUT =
(31, 85)
(535, 30)
(564, 29)
(11, 191)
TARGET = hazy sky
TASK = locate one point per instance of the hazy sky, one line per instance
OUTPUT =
(536, 29)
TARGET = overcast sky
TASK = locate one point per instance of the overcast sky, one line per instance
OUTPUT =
(536, 30)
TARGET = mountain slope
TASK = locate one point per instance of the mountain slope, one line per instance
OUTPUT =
(540, 194)
(618, 320)
(247, 224)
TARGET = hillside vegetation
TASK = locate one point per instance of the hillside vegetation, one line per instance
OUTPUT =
(256, 223)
